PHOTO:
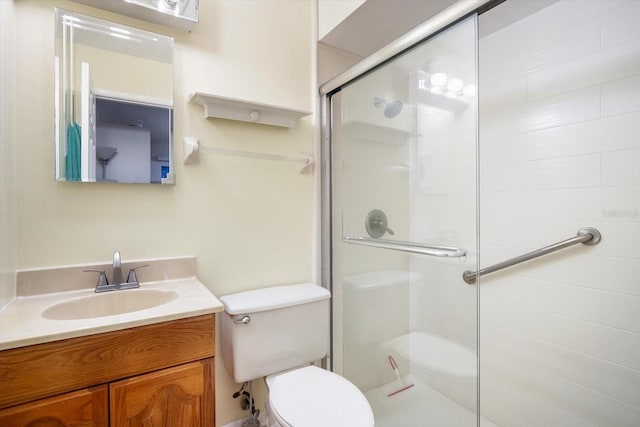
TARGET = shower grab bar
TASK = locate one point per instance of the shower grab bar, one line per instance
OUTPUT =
(416, 248)
(587, 235)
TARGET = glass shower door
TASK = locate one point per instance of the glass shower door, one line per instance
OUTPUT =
(404, 229)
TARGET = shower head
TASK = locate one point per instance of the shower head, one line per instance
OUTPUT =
(391, 108)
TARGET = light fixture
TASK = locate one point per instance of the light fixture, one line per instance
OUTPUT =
(438, 79)
(442, 84)
(455, 85)
(469, 90)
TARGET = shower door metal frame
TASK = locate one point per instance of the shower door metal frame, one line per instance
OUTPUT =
(428, 29)
(435, 25)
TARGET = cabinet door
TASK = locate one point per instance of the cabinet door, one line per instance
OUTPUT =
(84, 408)
(181, 396)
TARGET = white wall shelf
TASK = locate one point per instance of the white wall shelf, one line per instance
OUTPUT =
(248, 111)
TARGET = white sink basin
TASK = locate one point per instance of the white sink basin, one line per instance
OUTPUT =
(108, 304)
(53, 316)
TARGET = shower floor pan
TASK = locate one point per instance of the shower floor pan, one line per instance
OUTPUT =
(419, 406)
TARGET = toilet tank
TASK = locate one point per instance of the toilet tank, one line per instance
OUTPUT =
(270, 330)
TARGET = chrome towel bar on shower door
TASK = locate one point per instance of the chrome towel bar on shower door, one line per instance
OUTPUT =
(587, 235)
(416, 248)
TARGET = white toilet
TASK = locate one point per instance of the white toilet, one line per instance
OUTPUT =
(276, 333)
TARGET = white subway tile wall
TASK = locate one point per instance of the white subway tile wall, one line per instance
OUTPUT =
(560, 150)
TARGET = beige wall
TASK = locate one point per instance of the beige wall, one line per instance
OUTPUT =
(333, 61)
(249, 222)
(8, 218)
(331, 13)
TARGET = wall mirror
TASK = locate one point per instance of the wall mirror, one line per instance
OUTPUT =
(114, 102)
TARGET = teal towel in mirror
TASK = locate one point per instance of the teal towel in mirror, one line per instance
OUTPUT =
(72, 171)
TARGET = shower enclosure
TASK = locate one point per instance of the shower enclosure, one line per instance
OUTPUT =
(494, 129)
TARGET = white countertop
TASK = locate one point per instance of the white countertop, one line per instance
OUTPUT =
(22, 323)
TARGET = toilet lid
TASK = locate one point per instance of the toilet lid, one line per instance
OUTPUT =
(314, 397)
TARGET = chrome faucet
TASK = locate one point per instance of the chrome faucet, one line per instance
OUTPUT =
(116, 279)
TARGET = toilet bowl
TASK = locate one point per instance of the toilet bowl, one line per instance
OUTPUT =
(314, 397)
(277, 333)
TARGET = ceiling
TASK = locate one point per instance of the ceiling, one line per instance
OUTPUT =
(377, 22)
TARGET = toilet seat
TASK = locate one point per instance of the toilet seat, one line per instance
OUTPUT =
(314, 397)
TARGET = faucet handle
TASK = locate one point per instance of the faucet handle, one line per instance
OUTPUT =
(132, 278)
(103, 284)
(376, 224)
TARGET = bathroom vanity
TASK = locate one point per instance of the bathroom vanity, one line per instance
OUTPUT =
(162, 372)
(131, 368)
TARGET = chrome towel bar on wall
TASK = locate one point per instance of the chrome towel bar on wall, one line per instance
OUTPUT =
(587, 235)
(416, 248)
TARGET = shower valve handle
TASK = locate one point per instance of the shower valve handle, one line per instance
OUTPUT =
(376, 224)
(379, 223)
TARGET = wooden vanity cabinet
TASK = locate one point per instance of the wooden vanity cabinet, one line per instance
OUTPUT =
(86, 407)
(159, 375)
(180, 396)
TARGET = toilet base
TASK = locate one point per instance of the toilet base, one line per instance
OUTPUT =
(271, 417)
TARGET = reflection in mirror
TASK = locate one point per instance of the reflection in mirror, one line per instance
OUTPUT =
(114, 102)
